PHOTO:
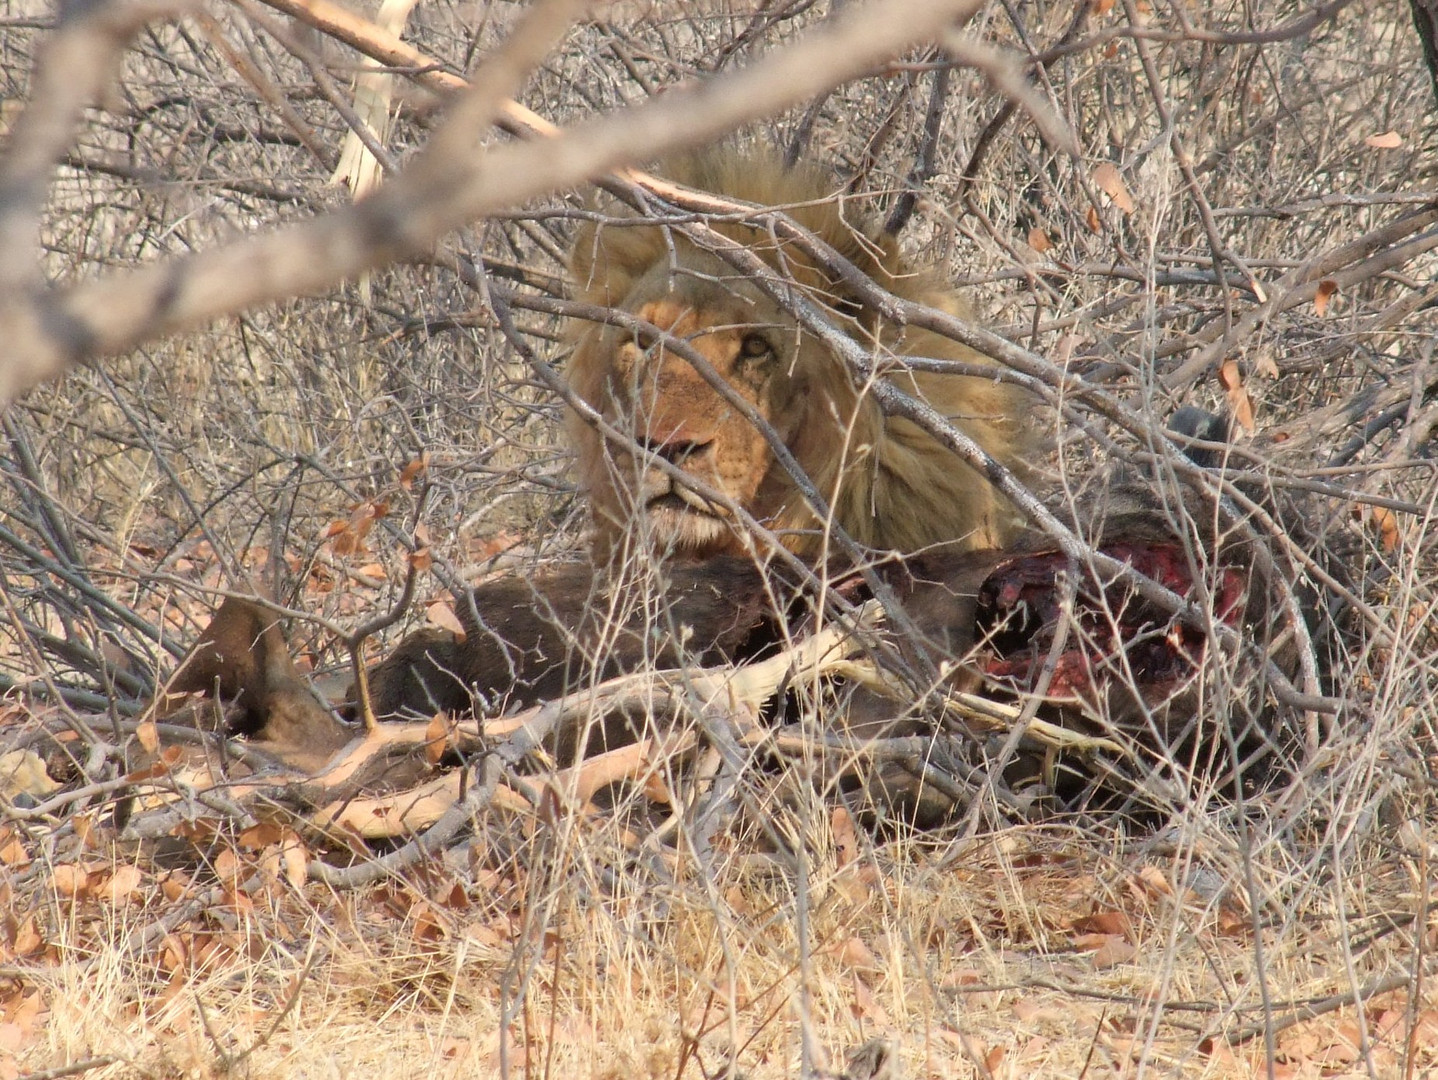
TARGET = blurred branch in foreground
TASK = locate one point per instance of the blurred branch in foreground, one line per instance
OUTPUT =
(452, 182)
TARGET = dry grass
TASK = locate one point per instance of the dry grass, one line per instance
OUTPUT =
(568, 944)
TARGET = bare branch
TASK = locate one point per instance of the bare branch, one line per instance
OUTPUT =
(450, 184)
(74, 67)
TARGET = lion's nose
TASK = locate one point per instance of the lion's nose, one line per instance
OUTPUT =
(677, 449)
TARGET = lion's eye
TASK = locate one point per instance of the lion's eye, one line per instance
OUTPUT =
(755, 346)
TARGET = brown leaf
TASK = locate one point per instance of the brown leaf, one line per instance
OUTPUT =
(1091, 219)
(347, 537)
(421, 560)
(27, 938)
(1110, 182)
(1026, 1011)
(1153, 882)
(1387, 140)
(427, 924)
(1104, 922)
(174, 885)
(1385, 523)
(413, 469)
(436, 738)
(228, 866)
(846, 839)
(865, 1006)
(1327, 290)
(442, 615)
(70, 880)
(148, 736)
(12, 851)
(1039, 240)
(159, 767)
(857, 956)
(454, 898)
(1114, 951)
(656, 790)
(258, 837)
(124, 883)
(297, 861)
(1239, 402)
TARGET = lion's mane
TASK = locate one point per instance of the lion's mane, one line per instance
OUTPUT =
(890, 484)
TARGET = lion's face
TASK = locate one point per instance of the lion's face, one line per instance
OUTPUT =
(683, 423)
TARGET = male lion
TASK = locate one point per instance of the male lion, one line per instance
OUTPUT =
(888, 483)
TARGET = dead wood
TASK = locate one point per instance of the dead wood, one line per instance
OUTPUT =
(386, 784)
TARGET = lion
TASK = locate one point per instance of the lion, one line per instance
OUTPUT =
(888, 484)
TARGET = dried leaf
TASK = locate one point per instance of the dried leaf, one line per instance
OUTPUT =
(421, 560)
(1387, 140)
(148, 736)
(1327, 289)
(865, 1006)
(413, 469)
(442, 615)
(159, 767)
(1153, 882)
(258, 837)
(656, 790)
(28, 939)
(70, 880)
(1104, 922)
(1113, 951)
(1039, 240)
(427, 924)
(297, 859)
(12, 851)
(347, 537)
(436, 738)
(857, 956)
(1384, 522)
(1110, 182)
(846, 839)
(1239, 402)
(994, 1057)
(174, 885)
(228, 866)
(123, 885)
